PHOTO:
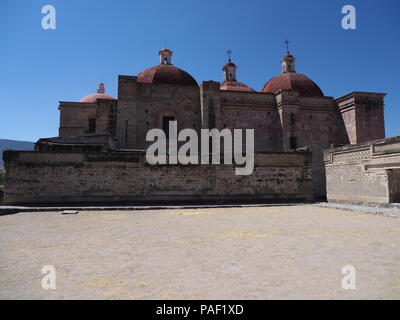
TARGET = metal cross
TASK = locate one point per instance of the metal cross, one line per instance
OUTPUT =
(229, 53)
(287, 46)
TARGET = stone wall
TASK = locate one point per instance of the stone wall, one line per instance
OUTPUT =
(242, 110)
(363, 116)
(45, 177)
(252, 110)
(394, 185)
(142, 106)
(365, 172)
(283, 121)
(74, 117)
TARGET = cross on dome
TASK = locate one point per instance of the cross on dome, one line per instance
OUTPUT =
(229, 54)
(287, 46)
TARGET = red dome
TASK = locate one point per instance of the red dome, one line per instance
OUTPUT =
(94, 96)
(293, 81)
(235, 86)
(166, 73)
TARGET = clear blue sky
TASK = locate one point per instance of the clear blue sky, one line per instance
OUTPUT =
(106, 38)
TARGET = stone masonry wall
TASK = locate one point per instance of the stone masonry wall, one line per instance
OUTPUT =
(363, 116)
(364, 173)
(394, 185)
(40, 177)
(74, 118)
(252, 110)
(156, 101)
(313, 123)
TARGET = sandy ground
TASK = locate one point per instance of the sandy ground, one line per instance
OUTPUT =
(278, 252)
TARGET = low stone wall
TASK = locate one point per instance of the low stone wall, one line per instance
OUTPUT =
(48, 177)
(364, 173)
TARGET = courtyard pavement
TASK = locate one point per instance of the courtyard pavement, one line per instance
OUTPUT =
(275, 252)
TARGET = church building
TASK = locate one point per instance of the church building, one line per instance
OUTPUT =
(289, 114)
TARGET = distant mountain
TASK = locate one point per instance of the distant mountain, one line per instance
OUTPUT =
(14, 145)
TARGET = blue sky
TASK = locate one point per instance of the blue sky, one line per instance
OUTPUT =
(97, 39)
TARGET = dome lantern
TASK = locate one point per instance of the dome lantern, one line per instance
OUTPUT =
(230, 83)
(101, 88)
(288, 61)
(165, 56)
(229, 69)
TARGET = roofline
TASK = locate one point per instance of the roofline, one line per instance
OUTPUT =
(364, 93)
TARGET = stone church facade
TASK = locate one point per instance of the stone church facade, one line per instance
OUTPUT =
(290, 115)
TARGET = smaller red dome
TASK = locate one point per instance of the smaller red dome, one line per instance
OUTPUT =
(235, 86)
(94, 96)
